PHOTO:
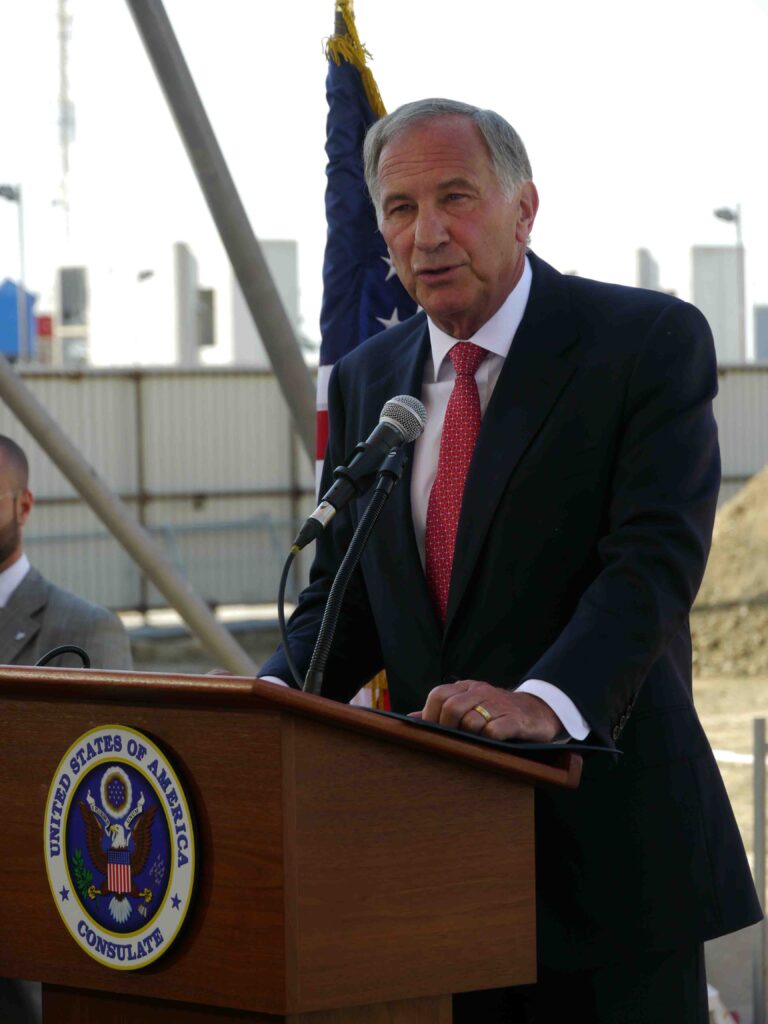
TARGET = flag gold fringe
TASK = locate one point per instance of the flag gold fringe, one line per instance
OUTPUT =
(378, 687)
(349, 48)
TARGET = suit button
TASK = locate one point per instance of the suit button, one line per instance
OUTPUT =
(616, 732)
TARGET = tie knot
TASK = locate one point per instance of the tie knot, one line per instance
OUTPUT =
(466, 357)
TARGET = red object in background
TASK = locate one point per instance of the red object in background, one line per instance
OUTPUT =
(44, 326)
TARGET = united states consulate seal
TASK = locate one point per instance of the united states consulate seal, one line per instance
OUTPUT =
(120, 847)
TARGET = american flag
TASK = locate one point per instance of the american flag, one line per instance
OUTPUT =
(361, 292)
(119, 871)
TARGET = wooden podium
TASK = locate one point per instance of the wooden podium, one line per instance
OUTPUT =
(353, 869)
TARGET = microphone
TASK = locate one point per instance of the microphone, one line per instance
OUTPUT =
(401, 421)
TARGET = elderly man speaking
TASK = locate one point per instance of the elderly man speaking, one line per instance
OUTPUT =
(532, 577)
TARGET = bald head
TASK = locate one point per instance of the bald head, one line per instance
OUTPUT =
(14, 465)
(15, 500)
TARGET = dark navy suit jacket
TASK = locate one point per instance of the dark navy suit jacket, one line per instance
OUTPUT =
(583, 537)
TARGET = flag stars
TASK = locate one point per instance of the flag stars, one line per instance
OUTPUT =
(390, 321)
(64, 893)
(391, 272)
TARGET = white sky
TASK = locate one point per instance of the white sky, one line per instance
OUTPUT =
(639, 118)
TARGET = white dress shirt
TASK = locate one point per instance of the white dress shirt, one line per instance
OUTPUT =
(11, 577)
(496, 335)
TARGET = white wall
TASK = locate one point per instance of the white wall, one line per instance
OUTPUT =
(718, 291)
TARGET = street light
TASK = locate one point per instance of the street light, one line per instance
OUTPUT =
(733, 216)
(13, 194)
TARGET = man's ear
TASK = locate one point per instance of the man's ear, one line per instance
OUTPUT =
(24, 503)
(528, 205)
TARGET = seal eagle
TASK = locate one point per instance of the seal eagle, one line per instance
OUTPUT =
(118, 865)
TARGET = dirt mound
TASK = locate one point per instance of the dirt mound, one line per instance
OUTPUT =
(730, 617)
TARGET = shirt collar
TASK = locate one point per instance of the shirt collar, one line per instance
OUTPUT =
(11, 577)
(497, 333)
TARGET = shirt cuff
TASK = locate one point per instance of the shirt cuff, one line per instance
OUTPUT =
(573, 721)
(274, 679)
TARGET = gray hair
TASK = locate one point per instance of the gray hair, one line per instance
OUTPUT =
(508, 156)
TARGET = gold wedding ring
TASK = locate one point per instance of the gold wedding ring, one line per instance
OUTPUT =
(484, 712)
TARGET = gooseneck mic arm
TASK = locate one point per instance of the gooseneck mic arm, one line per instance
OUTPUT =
(402, 421)
(389, 474)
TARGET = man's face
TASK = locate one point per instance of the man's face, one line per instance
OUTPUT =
(15, 506)
(456, 242)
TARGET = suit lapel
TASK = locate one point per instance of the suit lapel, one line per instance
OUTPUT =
(539, 365)
(19, 620)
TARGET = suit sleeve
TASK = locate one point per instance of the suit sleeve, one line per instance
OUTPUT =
(661, 511)
(101, 634)
(355, 655)
(107, 643)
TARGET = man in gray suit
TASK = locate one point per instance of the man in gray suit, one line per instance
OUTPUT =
(35, 615)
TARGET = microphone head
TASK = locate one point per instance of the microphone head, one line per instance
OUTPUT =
(407, 414)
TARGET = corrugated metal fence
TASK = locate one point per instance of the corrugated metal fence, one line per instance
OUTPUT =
(209, 461)
(206, 458)
(741, 409)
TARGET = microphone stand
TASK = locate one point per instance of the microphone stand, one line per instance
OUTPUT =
(389, 474)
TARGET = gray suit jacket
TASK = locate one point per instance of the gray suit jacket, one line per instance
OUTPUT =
(40, 616)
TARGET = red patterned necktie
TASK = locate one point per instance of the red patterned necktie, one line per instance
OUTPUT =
(460, 429)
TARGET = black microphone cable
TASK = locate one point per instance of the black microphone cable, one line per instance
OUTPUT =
(388, 476)
(64, 649)
(281, 616)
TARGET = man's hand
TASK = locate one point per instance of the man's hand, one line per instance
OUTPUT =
(519, 716)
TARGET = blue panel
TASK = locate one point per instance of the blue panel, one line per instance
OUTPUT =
(9, 331)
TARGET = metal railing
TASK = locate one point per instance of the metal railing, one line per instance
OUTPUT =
(758, 952)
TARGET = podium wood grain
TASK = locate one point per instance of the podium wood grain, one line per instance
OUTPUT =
(345, 859)
(68, 1006)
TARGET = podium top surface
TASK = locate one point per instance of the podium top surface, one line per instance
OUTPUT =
(560, 768)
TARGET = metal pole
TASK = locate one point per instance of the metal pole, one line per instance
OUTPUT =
(758, 951)
(229, 215)
(740, 296)
(114, 514)
(22, 292)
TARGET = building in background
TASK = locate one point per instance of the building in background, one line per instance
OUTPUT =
(718, 291)
(185, 292)
(71, 346)
(761, 334)
(247, 347)
(647, 271)
(158, 313)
